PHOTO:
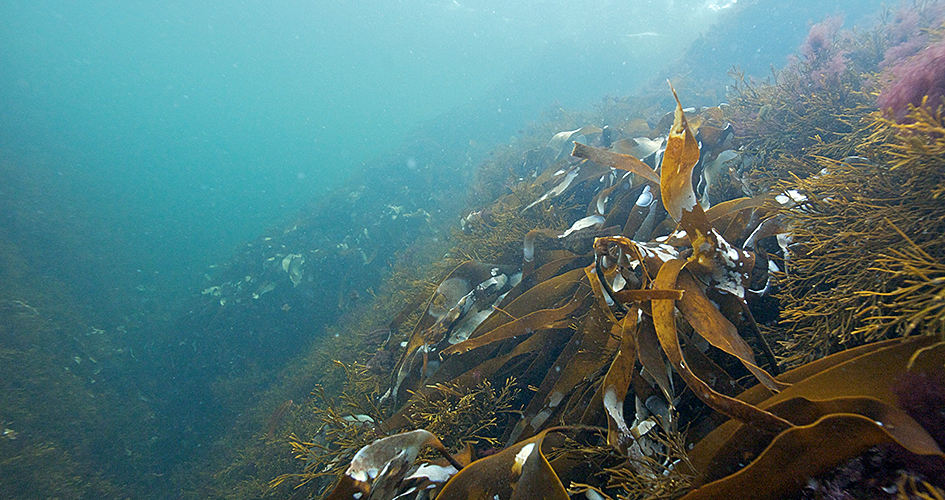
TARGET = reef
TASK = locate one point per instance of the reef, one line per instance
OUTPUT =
(645, 300)
(741, 301)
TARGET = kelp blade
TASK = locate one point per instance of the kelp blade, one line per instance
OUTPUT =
(798, 454)
(518, 472)
(615, 160)
(665, 320)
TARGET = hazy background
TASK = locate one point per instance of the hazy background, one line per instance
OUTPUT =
(162, 134)
(142, 142)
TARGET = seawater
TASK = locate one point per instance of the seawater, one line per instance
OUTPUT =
(142, 145)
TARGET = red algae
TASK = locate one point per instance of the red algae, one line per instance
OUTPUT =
(917, 81)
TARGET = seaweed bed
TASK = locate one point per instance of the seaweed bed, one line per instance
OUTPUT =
(759, 317)
(742, 300)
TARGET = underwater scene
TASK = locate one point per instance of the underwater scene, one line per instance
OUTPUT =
(448, 249)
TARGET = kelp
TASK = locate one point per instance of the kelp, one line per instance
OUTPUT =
(615, 160)
(843, 408)
(520, 471)
(602, 334)
(840, 408)
(565, 329)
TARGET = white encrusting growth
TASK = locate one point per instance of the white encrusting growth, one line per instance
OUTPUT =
(522, 456)
(791, 195)
(733, 273)
(435, 473)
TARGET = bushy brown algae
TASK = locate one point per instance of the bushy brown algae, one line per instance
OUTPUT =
(631, 478)
(867, 242)
(850, 171)
(467, 415)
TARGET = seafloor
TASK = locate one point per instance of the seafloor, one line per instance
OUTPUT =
(651, 299)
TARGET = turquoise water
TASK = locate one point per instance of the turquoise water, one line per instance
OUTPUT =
(142, 143)
(192, 127)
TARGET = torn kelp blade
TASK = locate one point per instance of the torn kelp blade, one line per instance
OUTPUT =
(713, 258)
(681, 156)
(798, 454)
(519, 472)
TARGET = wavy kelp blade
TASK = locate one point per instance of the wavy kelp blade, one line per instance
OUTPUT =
(495, 367)
(706, 319)
(747, 444)
(866, 371)
(378, 468)
(518, 472)
(544, 271)
(869, 375)
(615, 160)
(757, 394)
(802, 452)
(665, 321)
(551, 292)
(617, 381)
